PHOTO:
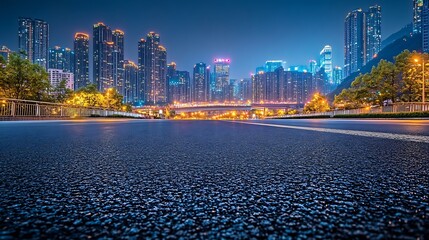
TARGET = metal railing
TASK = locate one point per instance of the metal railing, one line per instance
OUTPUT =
(16, 108)
(395, 108)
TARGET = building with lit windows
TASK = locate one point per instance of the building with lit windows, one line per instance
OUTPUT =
(131, 83)
(417, 16)
(272, 65)
(33, 40)
(201, 83)
(338, 76)
(373, 32)
(220, 84)
(153, 70)
(425, 26)
(326, 62)
(118, 60)
(81, 60)
(108, 58)
(56, 76)
(313, 66)
(354, 40)
(61, 58)
(102, 61)
(362, 38)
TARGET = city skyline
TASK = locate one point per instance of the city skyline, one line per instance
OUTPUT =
(242, 61)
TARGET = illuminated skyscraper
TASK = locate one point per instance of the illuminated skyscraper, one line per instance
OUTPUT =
(153, 69)
(118, 60)
(272, 65)
(313, 66)
(354, 38)
(102, 56)
(130, 82)
(33, 40)
(61, 58)
(337, 76)
(373, 32)
(326, 62)
(220, 86)
(81, 60)
(362, 38)
(425, 26)
(200, 83)
(417, 16)
(108, 58)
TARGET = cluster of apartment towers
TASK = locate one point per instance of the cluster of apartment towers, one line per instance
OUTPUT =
(152, 81)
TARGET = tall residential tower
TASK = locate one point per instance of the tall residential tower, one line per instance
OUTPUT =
(33, 40)
(81, 60)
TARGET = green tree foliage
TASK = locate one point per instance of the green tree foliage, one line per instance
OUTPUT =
(318, 103)
(387, 83)
(89, 97)
(20, 79)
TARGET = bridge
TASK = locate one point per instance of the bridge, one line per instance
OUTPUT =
(213, 107)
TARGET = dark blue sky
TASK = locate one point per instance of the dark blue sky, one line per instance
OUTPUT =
(247, 31)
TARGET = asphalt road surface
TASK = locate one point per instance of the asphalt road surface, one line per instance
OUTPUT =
(214, 179)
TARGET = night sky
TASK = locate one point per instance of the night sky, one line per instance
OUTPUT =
(247, 31)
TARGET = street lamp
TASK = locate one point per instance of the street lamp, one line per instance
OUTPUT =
(423, 73)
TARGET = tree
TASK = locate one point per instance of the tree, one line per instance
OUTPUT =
(21, 79)
(61, 93)
(318, 103)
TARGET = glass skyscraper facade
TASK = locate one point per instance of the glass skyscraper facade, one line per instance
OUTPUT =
(326, 62)
(152, 70)
(362, 38)
(201, 83)
(131, 83)
(61, 58)
(81, 60)
(108, 58)
(220, 84)
(417, 16)
(373, 29)
(33, 40)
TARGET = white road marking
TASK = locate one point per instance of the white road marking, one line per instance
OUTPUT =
(394, 136)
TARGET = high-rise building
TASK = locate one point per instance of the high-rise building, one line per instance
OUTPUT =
(5, 52)
(33, 40)
(362, 38)
(313, 66)
(373, 32)
(102, 56)
(118, 60)
(131, 83)
(338, 76)
(220, 86)
(245, 89)
(153, 70)
(108, 58)
(417, 16)
(201, 83)
(56, 76)
(299, 86)
(354, 39)
(179, 85)
(61, 58)
(326, 62)
(81, 60)
(272, 65)
(425, 26)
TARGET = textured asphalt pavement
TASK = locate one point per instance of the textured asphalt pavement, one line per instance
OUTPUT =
(212, 179)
